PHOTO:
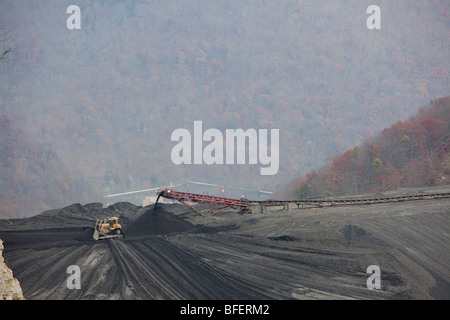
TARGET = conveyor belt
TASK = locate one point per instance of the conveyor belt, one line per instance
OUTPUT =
(245, 205)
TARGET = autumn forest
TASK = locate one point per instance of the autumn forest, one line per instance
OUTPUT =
(411, 153)
(90, 111)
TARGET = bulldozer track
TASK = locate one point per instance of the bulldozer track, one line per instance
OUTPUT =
(245, 205)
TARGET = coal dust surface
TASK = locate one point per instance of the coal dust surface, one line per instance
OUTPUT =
(157, 221)
(173, 252)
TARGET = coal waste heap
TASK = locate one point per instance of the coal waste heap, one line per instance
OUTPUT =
(172, 253)
(85, 235)
(157, 221)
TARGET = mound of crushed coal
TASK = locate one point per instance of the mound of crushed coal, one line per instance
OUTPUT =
(124, 210)
(85, 235)
(157, 221)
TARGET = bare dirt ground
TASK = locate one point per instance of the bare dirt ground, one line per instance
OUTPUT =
(173, 253)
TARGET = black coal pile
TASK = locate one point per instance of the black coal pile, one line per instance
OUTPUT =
(85, 235)
(157, 221)
(124, 210)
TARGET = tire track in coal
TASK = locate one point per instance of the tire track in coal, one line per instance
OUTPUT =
(249, 274)
(176, 266)
(264, 268)
(155, 268)
(55, 265)
(195, 276)
(140, 277)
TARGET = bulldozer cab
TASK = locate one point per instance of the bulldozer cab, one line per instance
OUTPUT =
(113, 222)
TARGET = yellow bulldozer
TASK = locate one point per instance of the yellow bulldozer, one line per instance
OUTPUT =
(107, 229)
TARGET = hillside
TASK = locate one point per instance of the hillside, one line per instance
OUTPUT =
(33, 178)
(107, 97)
(411, 153)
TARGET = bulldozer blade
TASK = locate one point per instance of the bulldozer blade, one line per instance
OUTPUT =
(114, 234)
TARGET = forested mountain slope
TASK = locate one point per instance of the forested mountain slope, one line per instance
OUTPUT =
(32, 177)
(106, 98)
(411, 153)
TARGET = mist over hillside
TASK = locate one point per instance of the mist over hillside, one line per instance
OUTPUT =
(106, 98)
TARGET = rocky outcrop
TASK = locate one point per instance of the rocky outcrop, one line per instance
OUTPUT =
(9, 286)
